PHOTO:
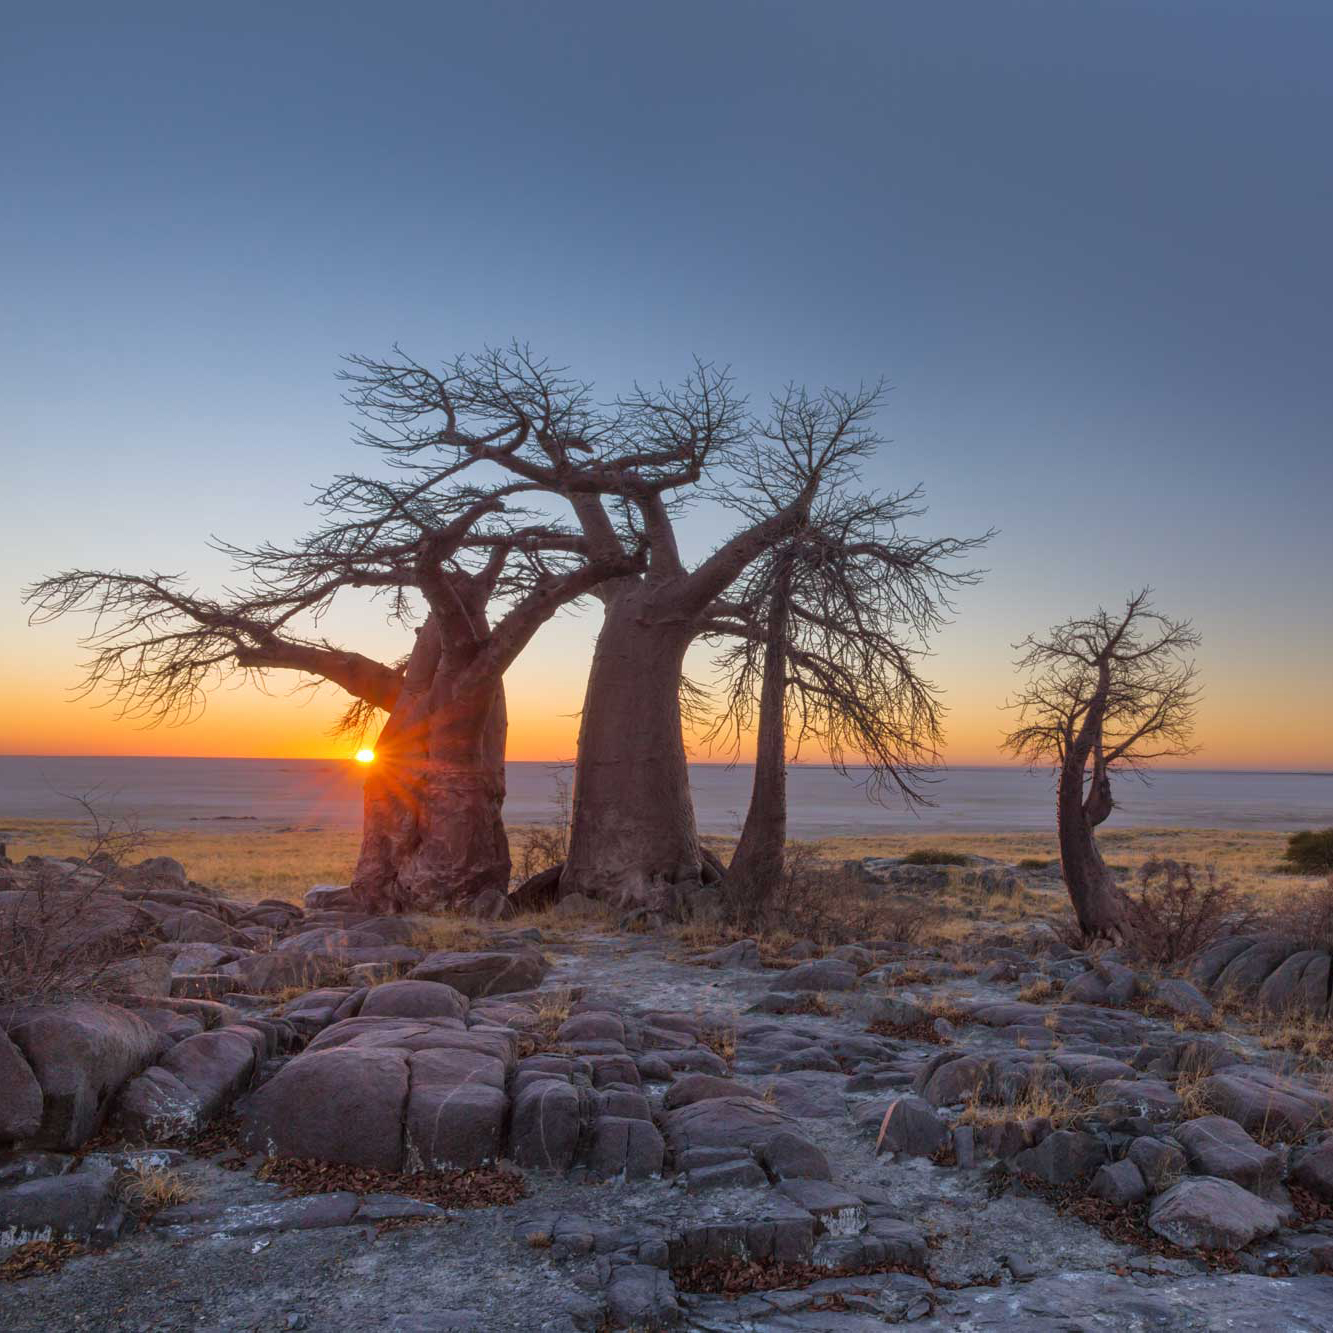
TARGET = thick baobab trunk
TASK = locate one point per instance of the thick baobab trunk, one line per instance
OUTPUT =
(1103, 911)
(433, 834)
(757, 863)
(633, 834)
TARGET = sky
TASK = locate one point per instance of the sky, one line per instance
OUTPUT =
(1087, 245)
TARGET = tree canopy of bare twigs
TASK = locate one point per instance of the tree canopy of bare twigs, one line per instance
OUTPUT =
(1110, 691)
(860, 601)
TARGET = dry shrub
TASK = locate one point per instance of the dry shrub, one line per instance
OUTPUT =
(825, 900)
(1180, 910)
(1307, 917)
(545, 845)
(902, 921)
(1309, 852)
(721, 1040)
(56, 937)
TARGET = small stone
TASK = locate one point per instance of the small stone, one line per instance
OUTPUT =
(1119, 1183)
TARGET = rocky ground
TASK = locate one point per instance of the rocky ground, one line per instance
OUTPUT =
(566, 1128)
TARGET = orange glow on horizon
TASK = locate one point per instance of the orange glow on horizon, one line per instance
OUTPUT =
(40, 718)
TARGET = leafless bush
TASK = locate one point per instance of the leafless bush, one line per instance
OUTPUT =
(901, 921)
(547, 845)
(61, 928)
(1307, 917)
(1180, 910)
(822, 900)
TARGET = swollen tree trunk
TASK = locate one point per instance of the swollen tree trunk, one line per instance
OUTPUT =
(1103, 911)
(433, 833)
(633, 834)
(756, 865)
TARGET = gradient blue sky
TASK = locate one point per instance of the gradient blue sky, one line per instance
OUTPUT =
(1087, 243)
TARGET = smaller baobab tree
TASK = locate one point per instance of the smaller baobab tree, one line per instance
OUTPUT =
(1109, 692)
(825, 637)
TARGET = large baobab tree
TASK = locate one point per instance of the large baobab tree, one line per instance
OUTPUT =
(633, 835)
(1106, 692)
(464, 570)
(825, 636)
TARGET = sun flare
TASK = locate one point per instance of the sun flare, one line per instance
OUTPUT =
(365, 756)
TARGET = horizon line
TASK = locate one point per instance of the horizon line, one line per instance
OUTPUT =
(697, 763)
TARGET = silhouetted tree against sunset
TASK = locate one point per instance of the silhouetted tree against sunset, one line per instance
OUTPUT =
(825, 639)
(633, 835)
(472, 576)
(1109, 692)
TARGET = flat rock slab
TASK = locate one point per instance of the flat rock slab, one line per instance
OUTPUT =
(480, 974)
(187, 1221)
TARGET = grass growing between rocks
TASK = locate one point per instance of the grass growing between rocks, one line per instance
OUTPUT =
(1056, 1102)
(145, 1189)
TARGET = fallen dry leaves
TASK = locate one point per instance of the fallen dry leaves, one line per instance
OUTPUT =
(485, 1187)
(38, 1257)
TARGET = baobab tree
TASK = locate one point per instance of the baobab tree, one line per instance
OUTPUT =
(825, 637)
(1104, 693)
(633, 835)
(465, 571)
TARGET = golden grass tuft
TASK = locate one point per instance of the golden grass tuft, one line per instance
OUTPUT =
(1041, 1099)
(146, 1188)
(1044, 988)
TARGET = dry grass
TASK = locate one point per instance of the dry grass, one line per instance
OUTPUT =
(1307, 1037)
(253, 863)
(1193, 1098)
(1041, 1098)
(1044, 988)
(553, 1008)
(943, 1006)
(720, 1038)
(146, 1188)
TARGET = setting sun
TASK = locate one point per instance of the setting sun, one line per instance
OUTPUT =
(365, 756)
